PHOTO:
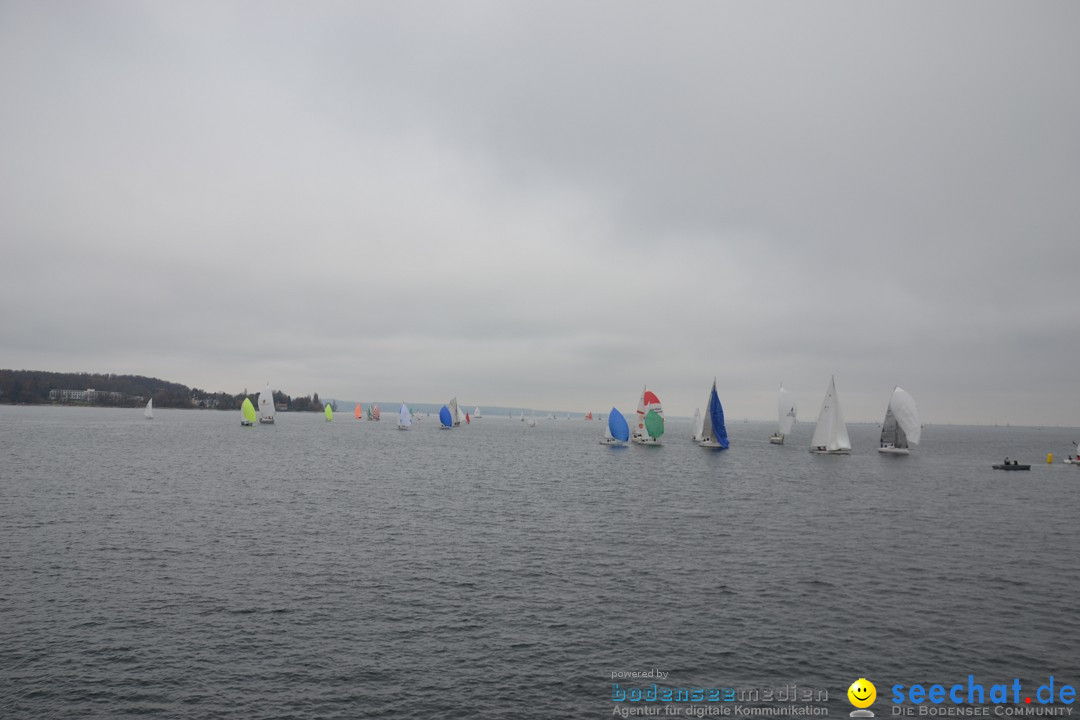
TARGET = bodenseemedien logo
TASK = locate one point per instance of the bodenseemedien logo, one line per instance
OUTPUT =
(862, 694)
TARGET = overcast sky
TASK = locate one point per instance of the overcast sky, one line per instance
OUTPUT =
(551, 204)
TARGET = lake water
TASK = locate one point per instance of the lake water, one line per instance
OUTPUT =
(189, 567)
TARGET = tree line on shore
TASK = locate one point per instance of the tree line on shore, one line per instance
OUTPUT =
(38, 387)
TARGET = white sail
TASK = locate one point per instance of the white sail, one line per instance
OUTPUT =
(455, 412)
(698, 425)
(830, 433)
(476, 412)
(148, 413)
(404, 417)
(907, 415)
(706, 434)
(266, 405)
(786, 410)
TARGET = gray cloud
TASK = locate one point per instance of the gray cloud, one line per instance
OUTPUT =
(550, 205)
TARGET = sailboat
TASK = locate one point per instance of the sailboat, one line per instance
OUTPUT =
(266, 406)
(358, 413)
(616, 432)
(404, 421)
(588, 415)
(247, 413)
(830, 433)
(650, 420)
(148, 412)
(455, 412)
(328, 412)
(901, 427)
(713, 430)
(699, 425)
(375, 411)
(476, 413)
(786, 417)
(446, 420)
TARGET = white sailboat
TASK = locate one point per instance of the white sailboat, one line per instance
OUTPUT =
(786, 411)
(404, 418)
(148, 412)
(901, 427)
(455, 412)
(830, 433)
(476, 413)
(266, 405)
(650, 419)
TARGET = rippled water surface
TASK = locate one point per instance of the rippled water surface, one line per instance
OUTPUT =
(188, 567)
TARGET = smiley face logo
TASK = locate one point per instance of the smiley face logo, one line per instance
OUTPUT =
(862, 693)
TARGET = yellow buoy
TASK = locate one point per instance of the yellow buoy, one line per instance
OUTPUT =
(1049, 458)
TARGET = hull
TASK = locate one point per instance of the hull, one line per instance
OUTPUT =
(1012, 467)
(612, 441)
(645, 440)
(266, 421)
(710, 444)
(247, 423)
(404, 427)
(776, 439)
(841, 451)
(894, 451)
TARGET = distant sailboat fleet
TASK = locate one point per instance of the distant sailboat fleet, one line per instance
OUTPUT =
(900, 430)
